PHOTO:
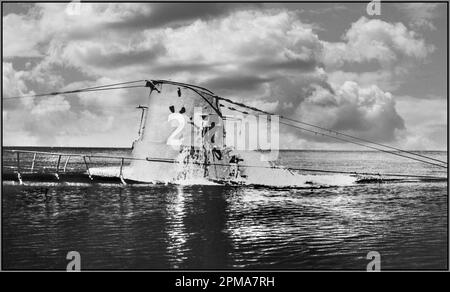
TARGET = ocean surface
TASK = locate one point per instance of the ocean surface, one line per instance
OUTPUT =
(330, 226)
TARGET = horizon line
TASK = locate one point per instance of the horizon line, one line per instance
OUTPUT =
(297, 149)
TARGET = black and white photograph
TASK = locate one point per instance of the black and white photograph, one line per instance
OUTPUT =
(224, 136)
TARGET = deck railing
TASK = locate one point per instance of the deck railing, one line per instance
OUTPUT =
(20, 168)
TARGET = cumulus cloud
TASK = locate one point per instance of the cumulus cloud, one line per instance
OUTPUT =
(268, 57)
(366, 112)
(390, 50)
(376, 40)
(256, 45)
(52, 120)
(49, 106)
(22, 34)
(13, 83)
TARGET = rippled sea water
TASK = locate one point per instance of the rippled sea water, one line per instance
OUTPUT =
(218, 227)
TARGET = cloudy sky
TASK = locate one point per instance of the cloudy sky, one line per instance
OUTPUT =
(378, 77)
